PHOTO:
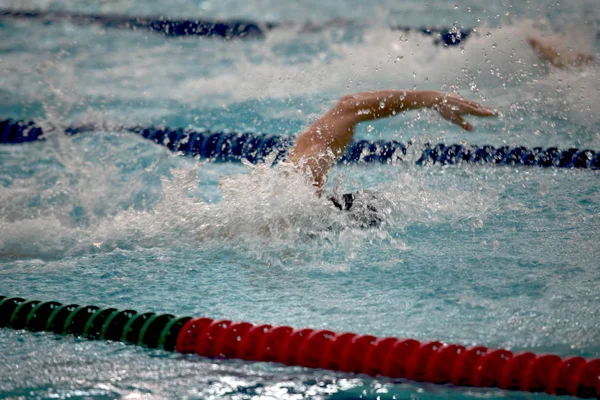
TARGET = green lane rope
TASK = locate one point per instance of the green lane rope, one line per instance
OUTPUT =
(95, 323)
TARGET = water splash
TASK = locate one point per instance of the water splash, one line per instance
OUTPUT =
(85, 205)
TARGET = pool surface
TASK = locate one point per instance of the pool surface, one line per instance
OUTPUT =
(498, 256)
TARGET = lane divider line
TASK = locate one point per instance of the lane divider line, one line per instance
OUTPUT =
(231, 146)
(434, 361)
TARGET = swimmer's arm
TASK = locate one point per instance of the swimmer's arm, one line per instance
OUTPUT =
(368, 106)
(324, 142)
(558, 56)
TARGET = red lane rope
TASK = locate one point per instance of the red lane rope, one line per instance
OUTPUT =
(433, 362)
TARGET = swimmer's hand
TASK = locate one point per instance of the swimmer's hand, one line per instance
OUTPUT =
(551, 50)
(452, 107)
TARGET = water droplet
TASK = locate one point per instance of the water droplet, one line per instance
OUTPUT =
(382, 104)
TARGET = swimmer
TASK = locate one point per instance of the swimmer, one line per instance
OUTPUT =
(557, 55)
(323, 143)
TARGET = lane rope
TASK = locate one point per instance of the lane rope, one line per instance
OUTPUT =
(233, 146)
(227, 29)
(434, 361)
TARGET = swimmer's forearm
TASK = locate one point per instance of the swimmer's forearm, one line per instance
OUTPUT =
(367, 106)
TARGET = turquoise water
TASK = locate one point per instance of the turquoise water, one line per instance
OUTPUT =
(496, 256)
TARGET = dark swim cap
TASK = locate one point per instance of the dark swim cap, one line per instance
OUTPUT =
(361, 208)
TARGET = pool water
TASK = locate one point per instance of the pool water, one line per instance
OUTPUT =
(495, 256)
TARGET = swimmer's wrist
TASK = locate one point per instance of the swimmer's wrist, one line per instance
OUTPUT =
(432, 98)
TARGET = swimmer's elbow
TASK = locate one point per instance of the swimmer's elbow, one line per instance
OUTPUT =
(348, 99)
(348, 102)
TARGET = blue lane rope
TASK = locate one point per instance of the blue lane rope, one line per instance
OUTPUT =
(225, 29)
(234, 146)
(228, 29)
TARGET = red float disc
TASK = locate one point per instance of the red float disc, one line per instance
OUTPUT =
(559, 379)
(486, 372)
(589, 380)
(269, 346)
(291, 345)
(190, 333)
(248, 348)
(353, 357)
(536, 374)
(333, 353)
(418, 362)
(374, 358)
(230, 340)
(313, 349)
(512, 372)
(465, 364)
(207, 344)
(441, 363)
(394, 364)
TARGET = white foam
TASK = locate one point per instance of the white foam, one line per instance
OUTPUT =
(270, 213)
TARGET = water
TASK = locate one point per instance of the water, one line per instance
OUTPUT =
(497, 256)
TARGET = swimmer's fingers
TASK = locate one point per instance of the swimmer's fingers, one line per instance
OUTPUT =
(457, 119)
(452, 107)
(460, 105)
(464, 106)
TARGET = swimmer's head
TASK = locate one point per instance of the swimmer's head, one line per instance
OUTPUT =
(361, 207)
